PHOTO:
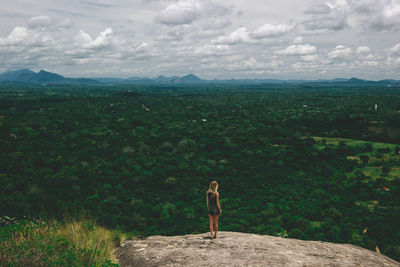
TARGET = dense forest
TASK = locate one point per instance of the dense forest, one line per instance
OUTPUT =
(314, 162)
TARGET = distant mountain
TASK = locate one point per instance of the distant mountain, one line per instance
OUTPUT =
(14, 75)
(47, 77)
(157, 80)
(162, 78)
(112, 80)
(190, 78)
(356, 80)
(340, 80)
(137, 78)
(26, 76)
(331, 81)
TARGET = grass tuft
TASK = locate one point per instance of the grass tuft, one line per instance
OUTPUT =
(53, 243)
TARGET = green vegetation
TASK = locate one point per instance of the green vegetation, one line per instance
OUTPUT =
(140, 159)
(71, 243)
(377, 160)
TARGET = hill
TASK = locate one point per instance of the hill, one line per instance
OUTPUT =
(190, 78)
(240, 249)
(26, 76)
(15, 75)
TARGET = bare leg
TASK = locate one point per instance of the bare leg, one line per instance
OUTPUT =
(211, 225)
(216, 225)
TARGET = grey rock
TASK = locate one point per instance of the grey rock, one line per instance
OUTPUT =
(240, 249)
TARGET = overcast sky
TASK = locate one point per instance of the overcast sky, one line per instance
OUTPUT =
(289, 39)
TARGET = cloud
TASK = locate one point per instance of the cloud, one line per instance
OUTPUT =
(325, 24)
(103, 40)
(17, 35)
(26, 47)
(309, 58)
(216, 24)
(318, 9)
(212, 38)
(187, 11)
(143, 47)
(22, 36)
(66, 23)
(376, 15)
(39, 22)
(363, 50)
(392, 9)
(142, 51)
(389, 23)
(395, 50)
(253, 64)
(213, 50)
(297, 50)
(86, 50)
(297, 40)
(340, 52)
(241, 35)
(326, 18)
(96, 4)
(269, 30)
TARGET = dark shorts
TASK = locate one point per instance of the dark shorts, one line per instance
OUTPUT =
(212, 210)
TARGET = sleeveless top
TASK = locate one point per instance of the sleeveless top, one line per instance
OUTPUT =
(212, 203)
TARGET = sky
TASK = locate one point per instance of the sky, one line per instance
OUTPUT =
(213, 39)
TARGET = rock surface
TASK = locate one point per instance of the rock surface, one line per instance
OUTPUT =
(240, 249)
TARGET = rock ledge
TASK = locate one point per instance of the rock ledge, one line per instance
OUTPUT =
(240, 249)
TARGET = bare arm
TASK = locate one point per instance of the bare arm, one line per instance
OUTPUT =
(207, 199)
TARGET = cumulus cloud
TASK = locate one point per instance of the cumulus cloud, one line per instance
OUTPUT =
(187, 11)
(340, 52)
(22, 36)
(26, 47)
(84, 49)
(377, 15)
(241, 35)
(297, 50)
(395, 50)
(327, 17)
(207, 37)
(17, 35)
(254, 66)
(103, 40)
(269, 30)
(381, 15)
(364, 53)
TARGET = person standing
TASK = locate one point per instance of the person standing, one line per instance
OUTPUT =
(214, 209)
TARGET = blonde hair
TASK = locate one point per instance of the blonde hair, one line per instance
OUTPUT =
(213, 186)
